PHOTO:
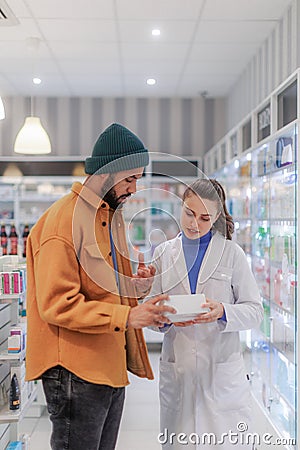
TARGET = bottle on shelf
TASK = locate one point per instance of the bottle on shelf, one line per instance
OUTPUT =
(277, 287)
(13, 239)
(25, 236)
(285, 284)
(293, 295)
(246, 206)
(3, 240)
(14, 394)
(260, 237)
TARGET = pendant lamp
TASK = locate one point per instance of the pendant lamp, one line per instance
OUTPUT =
(2, 110)
(32, 139)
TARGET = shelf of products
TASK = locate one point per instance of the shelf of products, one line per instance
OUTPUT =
(22, 202)
(274, 236)
(7, 416)
(5, 356)
(236, 178)
(269, 194)
(16, 394)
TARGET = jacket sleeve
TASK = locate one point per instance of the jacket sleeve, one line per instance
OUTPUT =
(246, 312)
(54, 281)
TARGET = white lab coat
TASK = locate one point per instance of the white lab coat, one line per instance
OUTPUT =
(203, 383)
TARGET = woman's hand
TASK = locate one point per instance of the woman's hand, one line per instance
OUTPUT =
(215, 313)
(188, 323)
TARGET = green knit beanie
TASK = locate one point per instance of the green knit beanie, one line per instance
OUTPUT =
(117, 149)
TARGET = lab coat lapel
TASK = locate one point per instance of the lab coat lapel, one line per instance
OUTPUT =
(212, 257)
(178, 263)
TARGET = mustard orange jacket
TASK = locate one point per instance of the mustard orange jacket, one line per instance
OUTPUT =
(76, 313)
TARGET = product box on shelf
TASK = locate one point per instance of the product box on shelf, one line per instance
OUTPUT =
(5, 312)
(11, 282)
(15, 445)
(17, 338)
(284, 151)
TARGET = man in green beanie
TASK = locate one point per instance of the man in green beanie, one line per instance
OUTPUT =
(84, 320)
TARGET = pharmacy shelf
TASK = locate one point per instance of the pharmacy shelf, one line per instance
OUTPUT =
(12, 296)
(242, 219)
(7, 416)
(271, 302)
(7, 221)
(5, 356)
(41, 198)
(279, 393)
(272, 152)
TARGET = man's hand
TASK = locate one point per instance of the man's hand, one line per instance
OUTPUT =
(150, 313)
(143, 279)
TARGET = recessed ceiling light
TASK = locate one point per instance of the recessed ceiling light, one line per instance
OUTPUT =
(151, 81)
(36, 80)
(155, 32)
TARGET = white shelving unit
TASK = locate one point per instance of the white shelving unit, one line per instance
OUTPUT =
(9, 306)
(18, 357)
(264, 167)
(7, 416)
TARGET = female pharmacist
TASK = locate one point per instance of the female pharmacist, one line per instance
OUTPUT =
(203, 383)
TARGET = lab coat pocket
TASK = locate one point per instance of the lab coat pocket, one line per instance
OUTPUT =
(231, 387)
(169, 388)
(223, 274)
(218, 287)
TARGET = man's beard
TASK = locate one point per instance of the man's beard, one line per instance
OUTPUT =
(109, 194)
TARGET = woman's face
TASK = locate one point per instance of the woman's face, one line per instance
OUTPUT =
(197, 216)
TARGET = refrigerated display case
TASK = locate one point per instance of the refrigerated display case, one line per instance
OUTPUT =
(272, 351)
(274, 239)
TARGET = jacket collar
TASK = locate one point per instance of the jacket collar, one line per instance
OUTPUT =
(89, 196)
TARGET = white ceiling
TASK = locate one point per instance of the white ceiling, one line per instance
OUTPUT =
(105, 47)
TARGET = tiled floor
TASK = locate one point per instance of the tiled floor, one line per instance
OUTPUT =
(140, 422)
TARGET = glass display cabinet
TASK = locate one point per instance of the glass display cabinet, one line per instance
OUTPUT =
(261, 181)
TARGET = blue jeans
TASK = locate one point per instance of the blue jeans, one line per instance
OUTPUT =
(84, 416)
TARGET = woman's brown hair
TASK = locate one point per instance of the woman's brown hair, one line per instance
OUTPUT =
(211, 189)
